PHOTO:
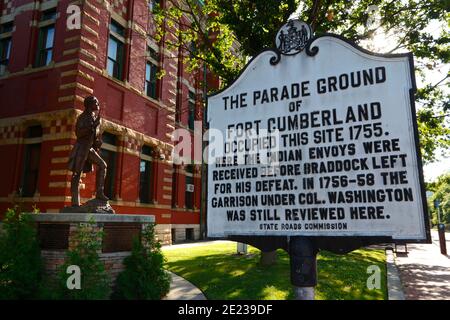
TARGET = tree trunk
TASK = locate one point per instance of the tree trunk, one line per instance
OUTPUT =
(268, 258)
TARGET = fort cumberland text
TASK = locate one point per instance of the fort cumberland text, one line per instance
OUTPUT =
(344, 81)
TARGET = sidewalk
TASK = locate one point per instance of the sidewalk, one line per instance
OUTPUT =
(424, 271)
(435, 238)
(180, 288)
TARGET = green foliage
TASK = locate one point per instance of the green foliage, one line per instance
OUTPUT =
(226, 33)
(85, 255)
(144, 277)
(441, 189)
(20, 257)
(221, 274)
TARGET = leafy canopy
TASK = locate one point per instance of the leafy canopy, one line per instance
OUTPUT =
(223, 34)
(441, 192)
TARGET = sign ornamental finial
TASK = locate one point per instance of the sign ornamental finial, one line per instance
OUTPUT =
(293, 37)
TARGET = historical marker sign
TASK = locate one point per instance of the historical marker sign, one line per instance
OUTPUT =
(317, 142)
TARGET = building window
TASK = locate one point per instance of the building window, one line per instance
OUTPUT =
(174, 187)
(189, 194)
(189, 234)
(5, 46)
(174, 235)
(153, 4)
(116, 50)
(46, 38)
(192, 48)
(150, 80)
(5, 53)
(151, 71)
(191, 105)
(48, 15)
(146, 176)
(32, 156)
(109, 153)
(6, 27)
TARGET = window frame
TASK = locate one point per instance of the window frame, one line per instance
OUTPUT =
(4, 58)
(119, 38)
(112, 167)
(31, 143)
(189, 177)
(151, 4)
(152, 55)
(191, 109)
(149, 188)
(44, 25)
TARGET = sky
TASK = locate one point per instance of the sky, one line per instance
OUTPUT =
(382, 43)
(433, 170)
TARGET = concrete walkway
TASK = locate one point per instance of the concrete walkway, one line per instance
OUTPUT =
(180, 288)
(435, 238)
(394, 284)
(424, 271)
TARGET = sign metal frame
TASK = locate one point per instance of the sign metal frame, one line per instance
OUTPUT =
(342, 243)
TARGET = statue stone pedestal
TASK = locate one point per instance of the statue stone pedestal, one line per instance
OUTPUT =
(57, 231)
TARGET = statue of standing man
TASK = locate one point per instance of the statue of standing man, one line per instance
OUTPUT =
(86, 152)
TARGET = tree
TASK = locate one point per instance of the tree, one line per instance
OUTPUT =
(144, 277)
(441, 192)
(21, 265)
(226, 33)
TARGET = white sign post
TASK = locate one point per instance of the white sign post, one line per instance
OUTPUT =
(318, 143)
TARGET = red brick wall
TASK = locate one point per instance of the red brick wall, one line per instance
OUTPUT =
(50, 95)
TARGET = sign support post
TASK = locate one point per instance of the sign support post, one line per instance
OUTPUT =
(441, 228)
(442, 243)
(303, 263)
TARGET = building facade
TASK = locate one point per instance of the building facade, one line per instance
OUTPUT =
(50, 60)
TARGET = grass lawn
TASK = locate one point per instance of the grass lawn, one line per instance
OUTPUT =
(221, 274)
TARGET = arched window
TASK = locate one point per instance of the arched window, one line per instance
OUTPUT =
(32, 157)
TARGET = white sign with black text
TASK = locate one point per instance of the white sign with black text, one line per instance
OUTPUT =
(317, 143)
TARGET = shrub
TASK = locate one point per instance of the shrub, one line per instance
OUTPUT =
(144, 276)
(84, 254)
(21, 266)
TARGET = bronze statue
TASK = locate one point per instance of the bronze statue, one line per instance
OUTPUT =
(86, 151)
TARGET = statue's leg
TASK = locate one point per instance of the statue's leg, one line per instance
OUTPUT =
(101, 174)
(75, 189)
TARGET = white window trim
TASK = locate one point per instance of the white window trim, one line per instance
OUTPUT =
(109, 147)
(146, 157)
(33, 140)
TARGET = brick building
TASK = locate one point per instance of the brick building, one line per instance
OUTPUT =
(46, 70)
